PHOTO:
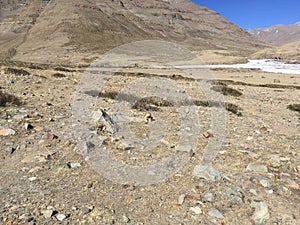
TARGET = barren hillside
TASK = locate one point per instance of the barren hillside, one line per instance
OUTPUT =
(70, 31)
(278, 34)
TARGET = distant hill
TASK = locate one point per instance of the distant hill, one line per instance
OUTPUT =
(69, 31)
(279, 34)
(287, 53)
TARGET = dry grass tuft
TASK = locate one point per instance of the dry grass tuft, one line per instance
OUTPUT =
(6, 99)
(15, 71)
(225, 90)
(294, 107)
(151, 103)
(58, 75)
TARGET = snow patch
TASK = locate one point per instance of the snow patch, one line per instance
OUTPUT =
(265, 65)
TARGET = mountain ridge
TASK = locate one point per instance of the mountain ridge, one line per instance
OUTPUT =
(278, 34)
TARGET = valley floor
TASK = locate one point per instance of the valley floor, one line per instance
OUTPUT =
(254, 178)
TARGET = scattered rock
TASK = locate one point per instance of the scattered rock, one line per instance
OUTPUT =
(103, 120)
(274, 161)
(252, 191)
(38, 128)
(207, 172)
(197, 210)
(127, 220)
(181, 199)
(47, 213)
(86, 210)
(124, 146)
(265, 182)
(168, 144)
(7, 132)
(257, 167)
(148, 118)
(208, 197)
(61, 217)
(32, 178)
(35, 169)
(28, 126)
(213, 212)
(208, 134)
(261, 213)
(233, 195)
(10, 150)
(20, 116)
(208, 222)
(74, 165)
(250, 138)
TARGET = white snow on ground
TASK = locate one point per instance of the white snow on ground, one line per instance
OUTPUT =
(265, 65)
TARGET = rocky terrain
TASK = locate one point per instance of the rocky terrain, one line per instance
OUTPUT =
(278, 34)
(254, 178)
(75, 137)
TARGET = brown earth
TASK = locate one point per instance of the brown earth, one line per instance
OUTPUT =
(36, 171)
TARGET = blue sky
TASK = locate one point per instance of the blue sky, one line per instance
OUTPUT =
(250, 14)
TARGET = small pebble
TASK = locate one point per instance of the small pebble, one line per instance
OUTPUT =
(197, 210)
(85, 210)
(181, 199)
(261, 213)
(32, 178)
(252, 191)
(257, 167)
(61, 217)
(47, 213)
(213, 212)
(28, 126)
(75, 165)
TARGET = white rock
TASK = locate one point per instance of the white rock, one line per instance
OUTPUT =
(213, 212)
(257, 167)
(181, 199)
(47, 213)
(261, 213)
(61, 217)
(32, 178)
(197, 210)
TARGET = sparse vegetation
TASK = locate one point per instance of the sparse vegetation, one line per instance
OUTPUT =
(151, 103)
(15, 71)
(294, 107)
(229, 106)
(225, 90)
(234, 109)
(109, 94)
(226, 82)
(58, 75)
(6, 99)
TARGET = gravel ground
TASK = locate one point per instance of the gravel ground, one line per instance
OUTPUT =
(254, 179)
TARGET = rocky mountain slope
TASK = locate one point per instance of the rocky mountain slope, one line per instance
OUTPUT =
(69, 31)
(278, 34)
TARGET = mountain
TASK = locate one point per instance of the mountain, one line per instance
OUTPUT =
(279, 34)
(70, 31)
